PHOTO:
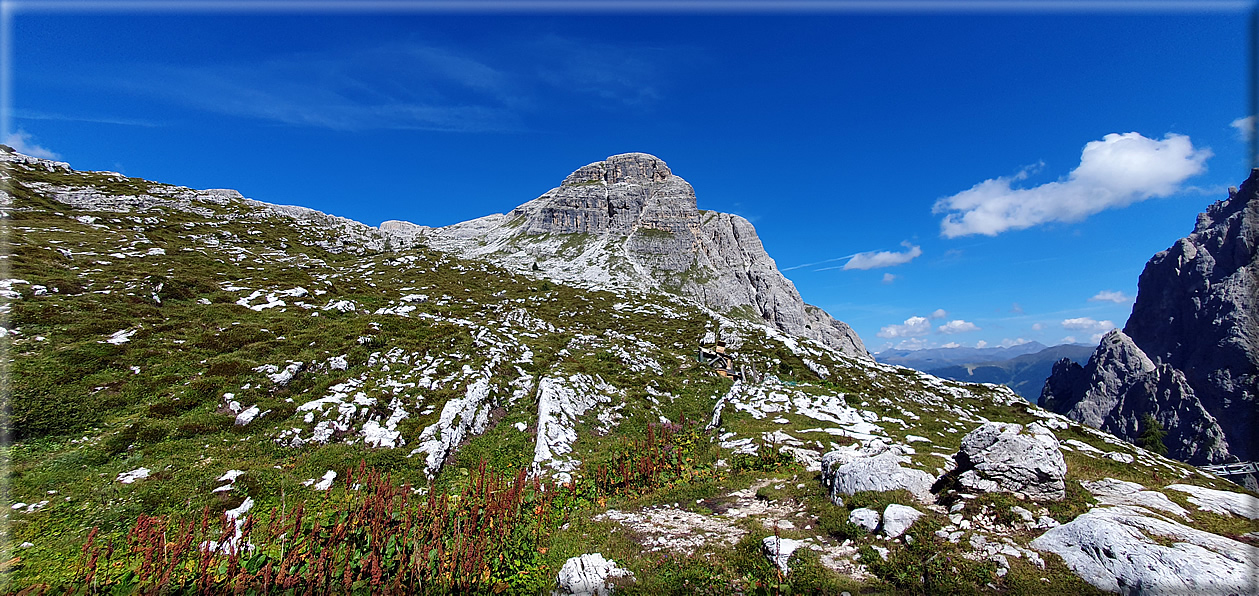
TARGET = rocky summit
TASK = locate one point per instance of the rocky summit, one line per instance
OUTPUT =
(629, 222)
(213, 394)
(1189, 353)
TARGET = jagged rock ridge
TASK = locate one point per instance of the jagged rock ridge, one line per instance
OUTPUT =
(1189, 353)
(628, 221)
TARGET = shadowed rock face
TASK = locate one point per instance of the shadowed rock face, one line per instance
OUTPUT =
(628, 221)
(1189, 354)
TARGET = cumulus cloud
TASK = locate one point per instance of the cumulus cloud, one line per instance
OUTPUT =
(1096, 329)
(981, 344)
(1116, 171)
(1245, 127)
(957, 326)
(939, 313)
(883, 258)
(951, 344)
(1111, 296)
(912, 327)
(1038, 326)
(23, 143)
(1007, 342)
(888, 278)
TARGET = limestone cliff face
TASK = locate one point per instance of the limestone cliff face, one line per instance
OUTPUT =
(1196, 321)
(629, 222)
(1120, 384)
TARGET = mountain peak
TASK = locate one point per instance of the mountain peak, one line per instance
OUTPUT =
(633, 168)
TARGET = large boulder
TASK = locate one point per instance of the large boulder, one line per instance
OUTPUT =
(872, 467)
(898, 518)
(1001, 457)
(589, 574)
(1126, 550)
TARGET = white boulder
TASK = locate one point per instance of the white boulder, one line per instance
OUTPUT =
(898, 518)
(1116, 549)
(1000, 457)
(873, 467)
(589, 575)
(779, 551)
(866, 518)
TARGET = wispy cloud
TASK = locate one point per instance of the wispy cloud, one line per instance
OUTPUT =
(814, 264)
(1114, 172)
(408, 86)
(1245, 127)
(888, 278)
(37, 115)
(1111, 296)
(885, 258)
(24, 143)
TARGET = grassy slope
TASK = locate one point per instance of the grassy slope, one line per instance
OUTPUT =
(84, 411)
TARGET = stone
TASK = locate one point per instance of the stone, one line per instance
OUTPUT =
(1189, 352)
(1110, 491)
(779, 551)
(876, 468)
(1000, 457)
(865, 518)
(1119, 385)
(1220, 501)
(1124, 549)
(898, 518)
(629, 222)
(589, 574)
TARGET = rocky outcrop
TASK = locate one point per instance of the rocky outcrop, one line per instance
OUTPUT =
(1127, 550)
(1189, 353)
(629, 222)
(1120, 384)
(1000, 457)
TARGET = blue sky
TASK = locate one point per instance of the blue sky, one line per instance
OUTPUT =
(1003, 175)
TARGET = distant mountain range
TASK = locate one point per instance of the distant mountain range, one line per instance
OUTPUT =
(1022, 368)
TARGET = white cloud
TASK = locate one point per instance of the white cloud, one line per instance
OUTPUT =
(939, 313)
(913, 327)
(951, 344)
(1038, 326)
(981, 344)
(1070, 339)
(883, 258)
(1111, 296)
(1088, 325)
(22, 142)
(888, 278)
(913, 343)
(1007, 342)
(1016, 309)
(1116, 171)
(1245, 127)
(957, 326)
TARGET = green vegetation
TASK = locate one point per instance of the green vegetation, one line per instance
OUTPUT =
(124, 357)
(1152, 435)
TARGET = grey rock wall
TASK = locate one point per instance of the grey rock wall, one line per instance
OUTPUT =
(1189, 353)
(628, 221)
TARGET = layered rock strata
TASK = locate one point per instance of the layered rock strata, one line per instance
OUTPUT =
(629, 222)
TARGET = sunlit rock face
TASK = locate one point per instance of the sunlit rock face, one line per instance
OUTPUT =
(1189, 354)
(629, 222)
